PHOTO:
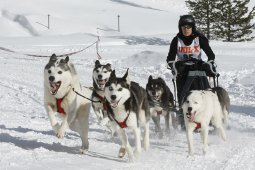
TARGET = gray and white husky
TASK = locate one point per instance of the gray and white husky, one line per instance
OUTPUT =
(60, 78)
(129, 108)
(161, 102)
(101, 74)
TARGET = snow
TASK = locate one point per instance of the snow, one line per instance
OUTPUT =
(27, 140)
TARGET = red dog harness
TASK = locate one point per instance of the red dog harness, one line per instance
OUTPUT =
(191, 119)
(122, 124)
(59, 108)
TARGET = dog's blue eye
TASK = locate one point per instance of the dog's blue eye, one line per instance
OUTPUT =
(60, 72)
(120, 89)
(110, 88)
(49, 71)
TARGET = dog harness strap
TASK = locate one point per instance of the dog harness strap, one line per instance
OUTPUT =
(198, 125)
(59, 108)
(103, 100)
(122, 124)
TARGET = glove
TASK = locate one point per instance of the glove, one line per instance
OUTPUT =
(172, 68)
(173, 72)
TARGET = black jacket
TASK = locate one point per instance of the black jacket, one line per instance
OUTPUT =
(203, 41)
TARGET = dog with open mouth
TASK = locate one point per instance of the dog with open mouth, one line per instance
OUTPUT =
(60, 82)
(161, 102)
(101, 74)
(200, 107)
(129, 108)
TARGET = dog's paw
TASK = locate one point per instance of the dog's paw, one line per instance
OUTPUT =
(122, 152)
(61, 133)
(83, 151)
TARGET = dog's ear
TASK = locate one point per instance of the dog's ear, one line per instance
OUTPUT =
(109, 65)
(97, 63)
(150, 78)
(126, 77)
(112, 76)
(66, 59)
(53, 57)
(163, 83)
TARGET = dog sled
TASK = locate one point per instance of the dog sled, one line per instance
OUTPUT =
(196, 74)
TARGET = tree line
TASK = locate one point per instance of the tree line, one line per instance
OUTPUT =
(227, 20)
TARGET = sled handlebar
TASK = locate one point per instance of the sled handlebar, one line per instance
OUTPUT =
(201, 65)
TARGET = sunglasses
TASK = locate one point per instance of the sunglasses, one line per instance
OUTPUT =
(186, 27)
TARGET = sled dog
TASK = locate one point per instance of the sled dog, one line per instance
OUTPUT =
(224, 100)
(161, 102)
(101, 74)
(60, 78)
(199, 108)
(129, 108)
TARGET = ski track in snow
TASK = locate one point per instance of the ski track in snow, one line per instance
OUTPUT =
(27, 138)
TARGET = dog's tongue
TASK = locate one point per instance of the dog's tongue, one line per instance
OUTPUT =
(101, 82)
(191, 116)
(54, 87)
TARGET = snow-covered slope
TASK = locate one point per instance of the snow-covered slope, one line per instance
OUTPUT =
(91, 16)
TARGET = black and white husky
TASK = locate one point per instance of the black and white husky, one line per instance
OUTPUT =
(129, 108)
(101, 74)
(60, 78)
(161, 102)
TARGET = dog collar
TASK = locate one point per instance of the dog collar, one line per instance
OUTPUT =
(59, 108)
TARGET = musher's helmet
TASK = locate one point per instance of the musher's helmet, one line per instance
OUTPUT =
(187, 20)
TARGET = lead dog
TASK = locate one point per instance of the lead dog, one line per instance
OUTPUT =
(199, 108)
(60, 78)
(161, 102)
(129, 108)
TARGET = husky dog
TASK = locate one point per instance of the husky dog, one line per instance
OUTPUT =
(224, 100)
(60, 78)
(161, 102)
(101, 74)
(199, 108)
(129, 107)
